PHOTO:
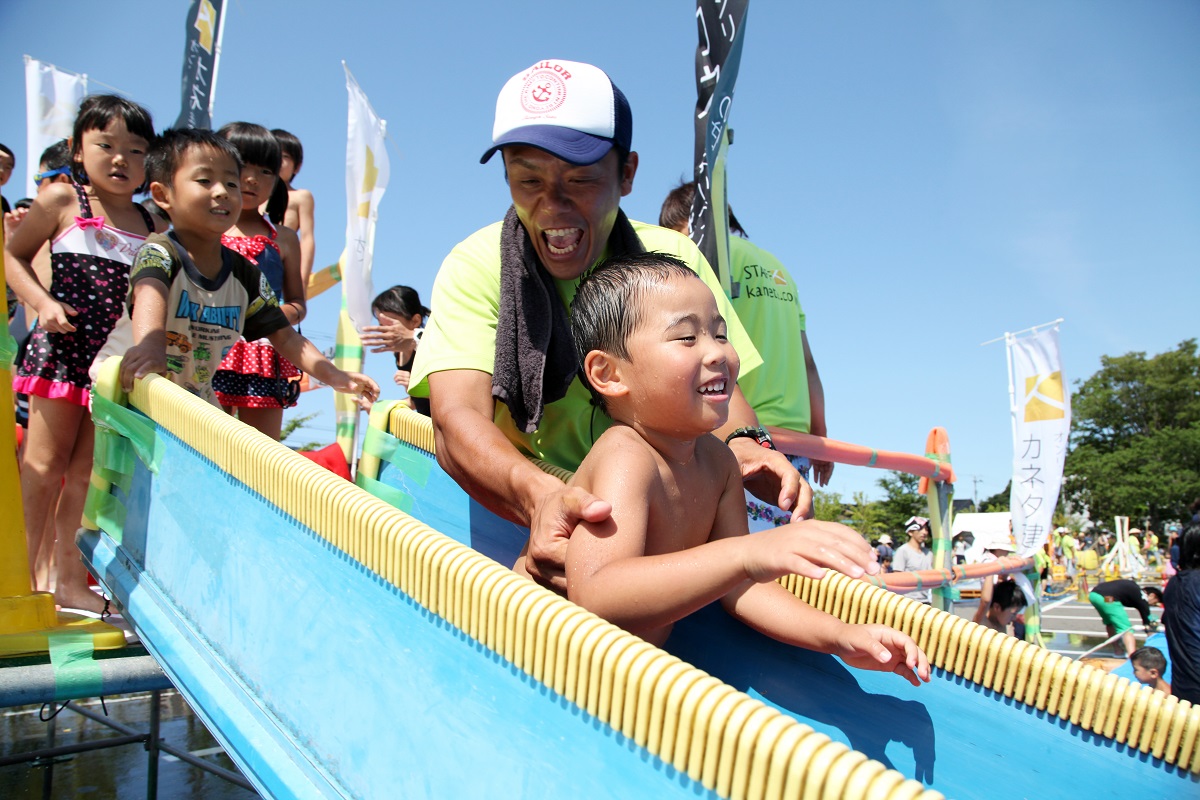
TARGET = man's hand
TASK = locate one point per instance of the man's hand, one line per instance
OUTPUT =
(554, 520)
(147, 358)
(883, 649)
(771, 477)
(401, 377)
(388, 338)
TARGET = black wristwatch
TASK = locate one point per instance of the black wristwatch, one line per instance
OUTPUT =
(758, 434)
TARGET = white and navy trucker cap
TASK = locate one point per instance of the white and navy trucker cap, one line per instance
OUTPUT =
(570, 110)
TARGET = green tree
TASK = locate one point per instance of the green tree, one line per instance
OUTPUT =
(901, 501)
(297, 424)
(828, 506)
(1135, 437)
(866, 516)
(999, 501)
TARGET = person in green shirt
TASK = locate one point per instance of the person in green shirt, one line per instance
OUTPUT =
(494, 362)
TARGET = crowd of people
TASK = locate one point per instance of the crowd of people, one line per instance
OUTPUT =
(565, 331)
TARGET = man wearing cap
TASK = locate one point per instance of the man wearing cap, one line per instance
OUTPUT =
(915, 555)
(497, 360)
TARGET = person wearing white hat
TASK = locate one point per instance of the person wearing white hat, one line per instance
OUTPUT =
(1064, 548)
(884, 549)
(915, 555)
(997, 544)
(497, 361)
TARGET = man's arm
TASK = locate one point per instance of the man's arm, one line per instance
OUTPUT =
(822, 470)
(489, 468)
(767, 473)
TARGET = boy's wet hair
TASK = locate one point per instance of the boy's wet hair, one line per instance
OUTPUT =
(97, 112)
(289, 145)
(1150, 658)
(255, 143)
(168, 152)
(608, 306)
(1007, 594)
(403, 301)
(5, 149)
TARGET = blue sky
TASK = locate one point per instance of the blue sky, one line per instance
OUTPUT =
(932, 173)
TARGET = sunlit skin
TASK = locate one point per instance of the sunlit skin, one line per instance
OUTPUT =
(6, 167)
(568, 210)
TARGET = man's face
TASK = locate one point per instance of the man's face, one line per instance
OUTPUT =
(567, 210)
(920, 535)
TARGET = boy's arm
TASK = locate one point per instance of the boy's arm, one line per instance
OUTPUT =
(609, 573)
(774, 611)
(304, 354)
(149, 317)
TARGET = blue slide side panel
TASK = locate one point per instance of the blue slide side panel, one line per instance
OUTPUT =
(947, 733)
(372, 690)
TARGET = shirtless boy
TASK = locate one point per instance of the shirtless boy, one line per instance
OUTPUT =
(654, 353)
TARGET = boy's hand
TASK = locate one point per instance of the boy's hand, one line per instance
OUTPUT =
(883, 649)
(54, 317)
(807, 548)
(401, 377)
(142, 360)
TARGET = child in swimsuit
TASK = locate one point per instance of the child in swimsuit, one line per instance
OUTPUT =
(94, 229)
(254, 381)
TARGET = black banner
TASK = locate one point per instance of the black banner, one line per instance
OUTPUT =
(720, 24)
(204, 22)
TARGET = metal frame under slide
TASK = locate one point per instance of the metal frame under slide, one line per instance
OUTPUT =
(29, 681)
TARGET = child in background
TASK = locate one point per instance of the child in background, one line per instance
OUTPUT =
(1149, 665)
(1007, 601)
(294, 208)
(653, 350)
(402, 318)
(191, 298)
(7, 163)
(94, 229)
(253, 380)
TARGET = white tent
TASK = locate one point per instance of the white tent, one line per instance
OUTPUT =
(984, 527)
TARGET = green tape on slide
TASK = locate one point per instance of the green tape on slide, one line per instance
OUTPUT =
(8, 349)
(107, 511)
(388, 494)
(113, 458)
(386, 447)
(76, 673)
(138, 429)
(348, 351)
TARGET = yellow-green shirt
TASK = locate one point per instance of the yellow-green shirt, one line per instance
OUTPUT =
(461, 334)
(769, 307)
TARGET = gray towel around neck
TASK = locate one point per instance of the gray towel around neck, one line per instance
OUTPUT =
(535, 354)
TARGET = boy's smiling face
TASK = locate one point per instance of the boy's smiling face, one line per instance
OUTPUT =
(206, 196)
(682, 369)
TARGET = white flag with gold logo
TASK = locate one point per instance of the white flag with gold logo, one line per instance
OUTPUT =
(366, 179)
(1042, 425)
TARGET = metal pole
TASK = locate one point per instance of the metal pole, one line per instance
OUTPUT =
(152, 748)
